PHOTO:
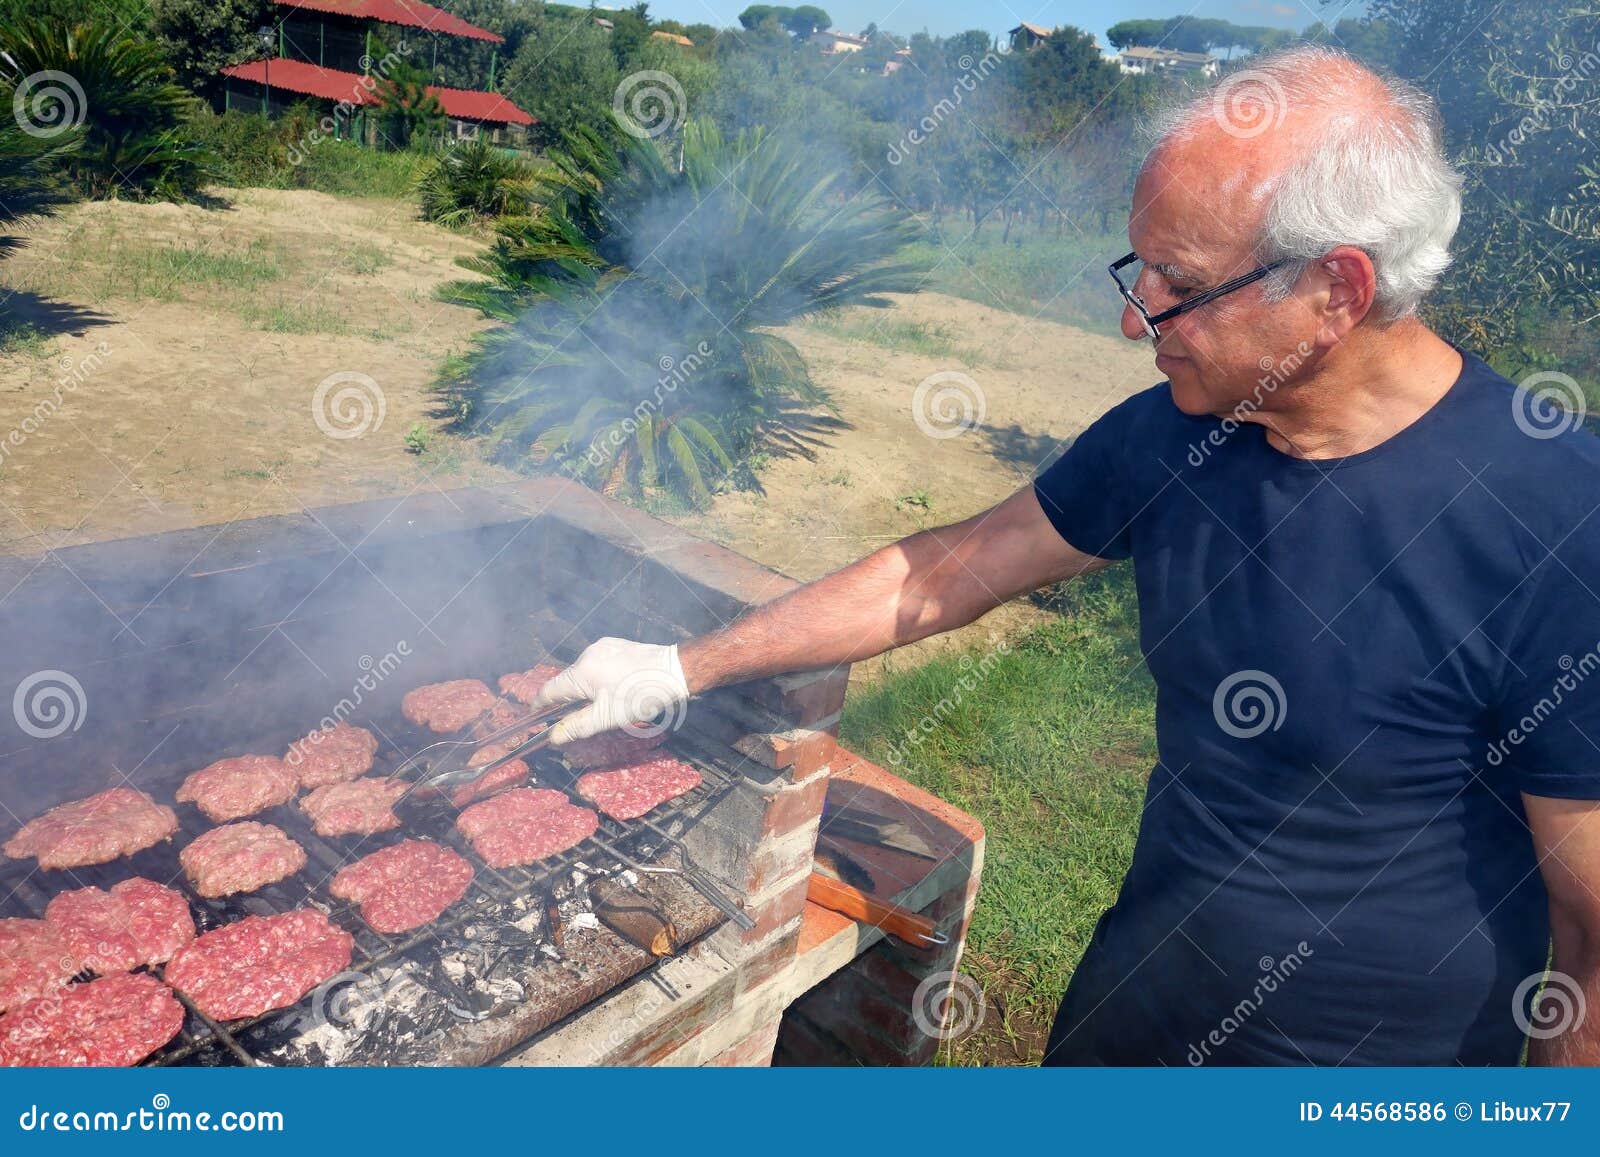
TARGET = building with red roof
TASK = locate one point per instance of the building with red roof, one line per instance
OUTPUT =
(325, 54)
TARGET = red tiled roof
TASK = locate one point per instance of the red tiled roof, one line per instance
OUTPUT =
(411, 13)
(311, 80)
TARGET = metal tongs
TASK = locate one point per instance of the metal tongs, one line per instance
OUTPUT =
(448, 761)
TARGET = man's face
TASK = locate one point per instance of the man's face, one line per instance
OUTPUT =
(1193, 225)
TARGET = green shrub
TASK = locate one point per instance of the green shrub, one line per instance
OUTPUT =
(134, 118)
(474, 181)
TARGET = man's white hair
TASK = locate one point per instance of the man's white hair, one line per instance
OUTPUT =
(1373, 173)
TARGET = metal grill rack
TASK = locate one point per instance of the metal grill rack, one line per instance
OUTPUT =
(491, 896)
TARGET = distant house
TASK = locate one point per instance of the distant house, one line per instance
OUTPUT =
(832, 43)
(325, 53)
(1025, 36)
(1141, 61)
(892, 65)
(673, 38)
(602, 22)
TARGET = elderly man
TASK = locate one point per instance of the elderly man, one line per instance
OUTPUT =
(1367, 580)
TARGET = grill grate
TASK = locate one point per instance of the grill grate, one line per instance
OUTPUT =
(492, 896)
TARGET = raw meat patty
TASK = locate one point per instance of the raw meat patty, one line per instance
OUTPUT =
(362, 807)
(115, 1020)
(34, 959)
(447, 706)
(525, 824)
(502, 777)
(231, 789)
(259, 963)
(240, 857)
(610, 749)
(524, 685)
(116, 822)
(404, 887)
(334, 755)
(137, 922)
(629, 792)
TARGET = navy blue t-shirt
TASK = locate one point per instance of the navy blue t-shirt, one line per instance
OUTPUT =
(1359, 665)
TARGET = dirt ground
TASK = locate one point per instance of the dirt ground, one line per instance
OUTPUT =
(162, 388)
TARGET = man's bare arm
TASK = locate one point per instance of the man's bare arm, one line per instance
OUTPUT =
(931, 582)
(1566, 839)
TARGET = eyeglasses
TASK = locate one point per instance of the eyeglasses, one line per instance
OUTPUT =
(1152, 325)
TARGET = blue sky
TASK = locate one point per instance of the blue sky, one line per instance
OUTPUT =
(943, 17)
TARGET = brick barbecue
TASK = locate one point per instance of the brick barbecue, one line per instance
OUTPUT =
(166, 653)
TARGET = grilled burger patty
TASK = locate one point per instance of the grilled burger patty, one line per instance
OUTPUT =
(34, 959)
(333, 755)
(240, 857)
(610, 749)
(447, 706)
(96, 830)
(240, 786)
(490, 783)
(137, 922)
(404, 887)
(361, 807)
(524, 685)
(259, 963)
(115, 1020)
(625, 793)
(525, 824)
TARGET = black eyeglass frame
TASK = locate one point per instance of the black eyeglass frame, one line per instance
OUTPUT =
(1152, 325)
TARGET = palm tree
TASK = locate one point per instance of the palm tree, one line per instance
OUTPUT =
(475, 181)
(134, 118)
(29, 175)
(636, 352)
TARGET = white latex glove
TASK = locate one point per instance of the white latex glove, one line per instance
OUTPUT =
(627, 685)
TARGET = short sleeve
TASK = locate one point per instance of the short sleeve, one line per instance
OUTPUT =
(1548, 725)
(1085, 493)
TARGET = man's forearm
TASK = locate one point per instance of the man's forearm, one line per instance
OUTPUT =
(904, 592)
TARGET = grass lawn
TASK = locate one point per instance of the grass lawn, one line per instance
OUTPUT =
(1051, 752)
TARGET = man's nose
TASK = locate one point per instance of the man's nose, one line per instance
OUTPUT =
(1132, 325)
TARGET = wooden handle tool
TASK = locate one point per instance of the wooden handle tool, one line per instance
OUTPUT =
(901, 923)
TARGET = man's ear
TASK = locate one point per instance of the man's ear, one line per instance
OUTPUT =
(1350, 282)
